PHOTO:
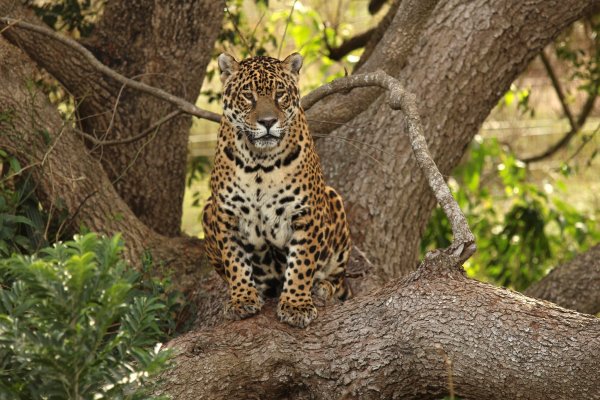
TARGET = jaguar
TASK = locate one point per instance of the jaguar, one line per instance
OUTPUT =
(272, 227)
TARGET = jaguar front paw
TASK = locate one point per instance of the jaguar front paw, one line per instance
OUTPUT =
(298, 315)
(243, 307)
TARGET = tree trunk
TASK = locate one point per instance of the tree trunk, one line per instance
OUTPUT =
(574, 285)
(71, 183)
(465, 59)
(432, 333)
(162, 45)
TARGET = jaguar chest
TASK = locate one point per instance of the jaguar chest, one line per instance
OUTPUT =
(265, 205)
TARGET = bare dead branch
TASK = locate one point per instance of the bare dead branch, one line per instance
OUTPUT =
(399, 99)
(559, 90)
(576, 124)
(183, 105)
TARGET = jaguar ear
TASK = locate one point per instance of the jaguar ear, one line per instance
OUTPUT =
(293, 62)
(228, 65)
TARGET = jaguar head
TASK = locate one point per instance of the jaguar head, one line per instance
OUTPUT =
(260, 97)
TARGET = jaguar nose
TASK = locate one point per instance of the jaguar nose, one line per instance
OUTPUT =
(267, 122)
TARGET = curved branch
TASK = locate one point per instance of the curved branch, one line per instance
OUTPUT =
(400, 99)
(184, 106)
(406, 340)
(132, 139)
(566, 139)
(559, 91)
(375, 6)
(389, 55)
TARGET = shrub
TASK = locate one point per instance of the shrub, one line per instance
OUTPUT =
(74, 324)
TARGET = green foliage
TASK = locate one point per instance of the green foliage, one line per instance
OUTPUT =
(521, 230)
(76, 323)
(519, 97)
(156, 282)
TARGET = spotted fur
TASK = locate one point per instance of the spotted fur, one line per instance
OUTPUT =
(272, 226)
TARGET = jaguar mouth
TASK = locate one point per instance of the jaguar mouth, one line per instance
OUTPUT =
(265, 141)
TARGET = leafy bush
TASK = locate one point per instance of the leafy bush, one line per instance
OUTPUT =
(521, 230)
(75, 324)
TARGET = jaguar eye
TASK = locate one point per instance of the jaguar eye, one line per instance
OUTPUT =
(279, 95)
(248, 96)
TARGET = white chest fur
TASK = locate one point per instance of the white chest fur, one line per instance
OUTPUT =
(265, 215)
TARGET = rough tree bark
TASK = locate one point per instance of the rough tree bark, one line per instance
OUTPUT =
(466, 57)
(574, 285)
(68, 180)
(161, 45)
(408, 340)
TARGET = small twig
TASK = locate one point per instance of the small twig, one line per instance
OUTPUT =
(289, 19)
(68, 221)
(132, 139)
(180, 103)
(399, 99)
(583, 144)
(237, 30)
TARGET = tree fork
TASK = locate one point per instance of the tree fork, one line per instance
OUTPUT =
(463, 61)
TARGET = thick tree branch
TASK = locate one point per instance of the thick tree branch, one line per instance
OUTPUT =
(378, 33)
(467, 56)
(151, 42)
(576, 124)
(404, 341)
(574, 285)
